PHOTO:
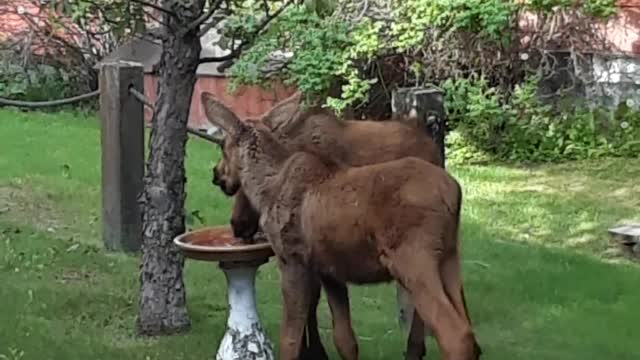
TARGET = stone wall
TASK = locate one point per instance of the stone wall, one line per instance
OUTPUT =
(599, 79)
(616, 79)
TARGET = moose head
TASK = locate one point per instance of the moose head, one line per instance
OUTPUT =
(226, 173)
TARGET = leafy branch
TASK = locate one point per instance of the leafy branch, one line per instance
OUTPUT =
(375, 45)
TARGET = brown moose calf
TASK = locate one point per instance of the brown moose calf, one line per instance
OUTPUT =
(349, 142)
(394, 220)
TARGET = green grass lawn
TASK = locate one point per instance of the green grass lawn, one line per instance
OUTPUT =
(541, 279)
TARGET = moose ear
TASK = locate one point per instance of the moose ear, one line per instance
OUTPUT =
(283, 113)
(219, 115)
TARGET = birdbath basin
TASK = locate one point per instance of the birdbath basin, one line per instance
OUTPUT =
(245, 338)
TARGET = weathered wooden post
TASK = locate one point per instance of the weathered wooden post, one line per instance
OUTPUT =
(122, 139)
(425, 105)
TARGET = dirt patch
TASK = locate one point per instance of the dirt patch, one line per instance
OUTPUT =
(18, 204)
(69, 276)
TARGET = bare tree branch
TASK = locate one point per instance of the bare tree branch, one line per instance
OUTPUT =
(208, 26)
(201, 19)
(230, 56)
(155, 18)
(247, 42)
(157, 7)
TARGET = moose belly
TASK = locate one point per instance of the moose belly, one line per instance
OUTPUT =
(341, 244)
(349, 267)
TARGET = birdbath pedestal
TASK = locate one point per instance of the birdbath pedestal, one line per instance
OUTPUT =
(245, 338)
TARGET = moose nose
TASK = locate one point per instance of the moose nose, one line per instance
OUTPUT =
(216, 178)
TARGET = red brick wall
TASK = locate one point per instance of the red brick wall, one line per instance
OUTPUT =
(625, 30)
(11, 23)
(248, 102)
(18, 17)
(621, 32)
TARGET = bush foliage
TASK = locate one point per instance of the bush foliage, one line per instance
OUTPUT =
(38, 82)
(470, 48)
(53, 54)
(523, 128)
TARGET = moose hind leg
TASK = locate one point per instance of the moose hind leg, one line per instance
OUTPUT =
(416, 348)
(296, 294)
(417, 268)
(451, 274)
(343, 335)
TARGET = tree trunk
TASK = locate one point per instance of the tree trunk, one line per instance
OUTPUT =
(162, 307)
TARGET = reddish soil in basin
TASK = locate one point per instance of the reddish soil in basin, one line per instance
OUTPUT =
(215, 237)
(219, 244)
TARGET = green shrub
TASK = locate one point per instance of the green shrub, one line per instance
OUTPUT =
(319, 44)
(38, 82)
(350, 58)
(522, 128)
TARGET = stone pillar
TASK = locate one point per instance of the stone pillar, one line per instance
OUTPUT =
(245, 339)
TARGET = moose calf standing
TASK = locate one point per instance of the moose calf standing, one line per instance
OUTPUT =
(394, 220)
(349, 142)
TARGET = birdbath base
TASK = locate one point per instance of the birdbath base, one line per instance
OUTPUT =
(245, 338)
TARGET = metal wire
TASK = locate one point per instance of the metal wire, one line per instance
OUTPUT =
(39, 104)
(141, 97)
(145, 101)
(137, 94)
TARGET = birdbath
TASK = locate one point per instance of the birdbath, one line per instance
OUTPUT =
(245, 338)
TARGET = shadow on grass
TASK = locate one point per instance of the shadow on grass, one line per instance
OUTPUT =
(65, 298)
(551, 207)
(565, 221)
(70, 301)
(532, 302)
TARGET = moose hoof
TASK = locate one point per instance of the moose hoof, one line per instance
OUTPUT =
(314, 353)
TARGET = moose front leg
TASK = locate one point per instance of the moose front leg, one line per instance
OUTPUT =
(297, 291)
(343, 335)
(312, 348)
(244, 218)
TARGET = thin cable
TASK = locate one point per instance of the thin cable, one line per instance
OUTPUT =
(39, 104)
(143, 99)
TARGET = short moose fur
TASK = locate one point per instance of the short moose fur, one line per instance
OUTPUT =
(393, 220)
(346, 142)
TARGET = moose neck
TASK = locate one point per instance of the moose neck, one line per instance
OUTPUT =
(262, 163)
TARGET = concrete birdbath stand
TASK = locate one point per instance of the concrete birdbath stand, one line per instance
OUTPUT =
(245, 338)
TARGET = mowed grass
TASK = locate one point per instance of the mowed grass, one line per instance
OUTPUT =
(541, 278)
